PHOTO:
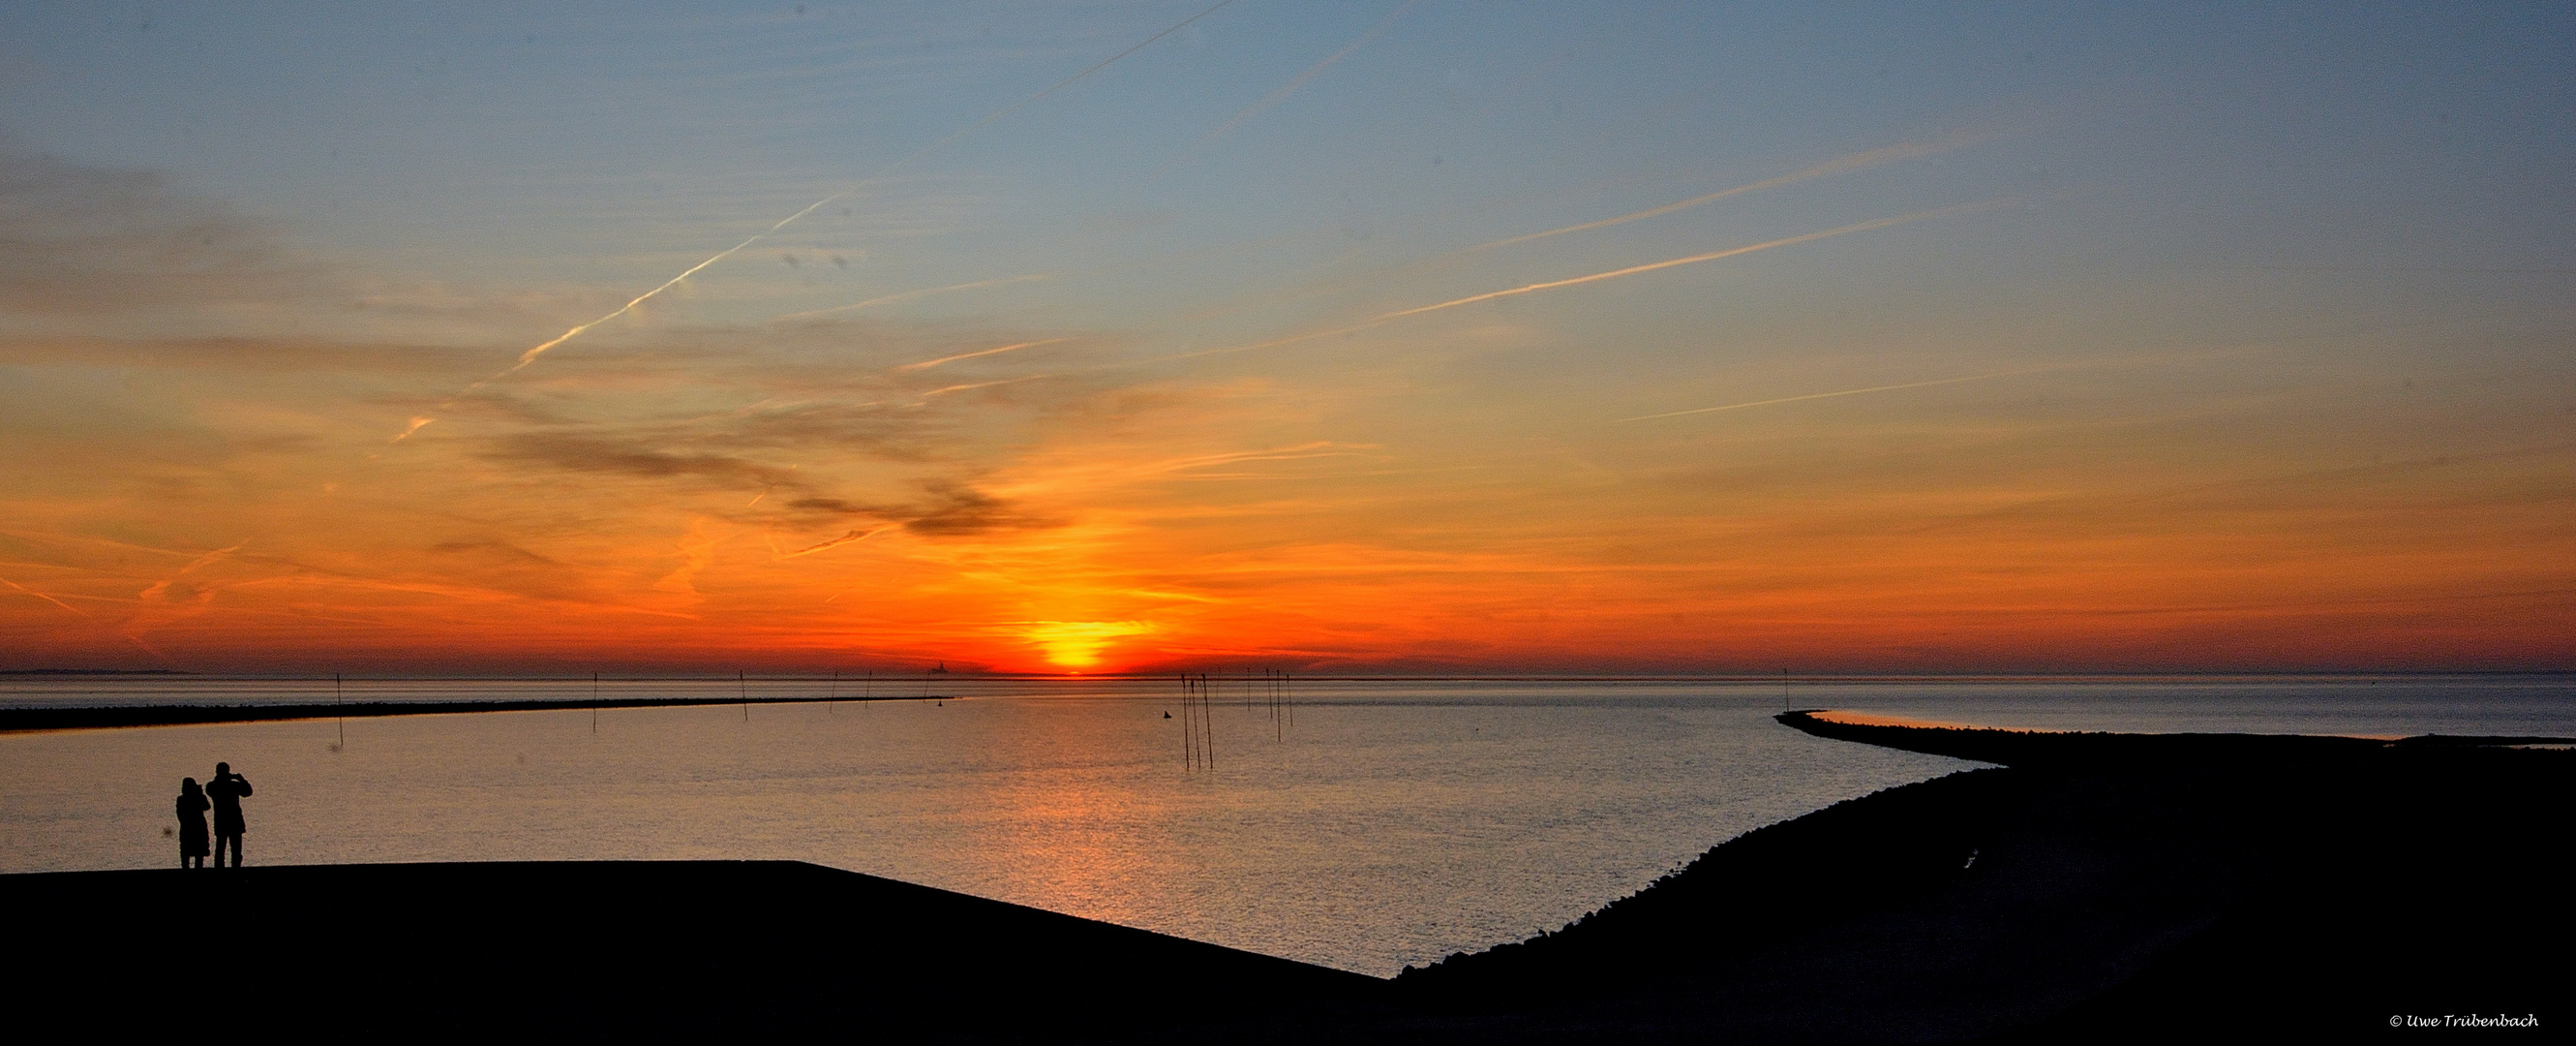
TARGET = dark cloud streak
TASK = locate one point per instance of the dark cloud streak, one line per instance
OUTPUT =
(85, 241)
(579, 453)
(952, 509)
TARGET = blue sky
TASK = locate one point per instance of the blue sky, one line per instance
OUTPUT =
(2017, 256)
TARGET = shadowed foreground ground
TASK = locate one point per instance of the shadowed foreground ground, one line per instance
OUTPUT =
(619, 950)
(2098, 888)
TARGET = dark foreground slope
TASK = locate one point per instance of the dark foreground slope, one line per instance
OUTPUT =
(2097, 888)
(730, 951)
(2120, 888)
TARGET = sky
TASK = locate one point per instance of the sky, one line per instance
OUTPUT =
(1404, 337)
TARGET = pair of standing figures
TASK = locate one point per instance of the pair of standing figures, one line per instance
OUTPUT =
(223, 795)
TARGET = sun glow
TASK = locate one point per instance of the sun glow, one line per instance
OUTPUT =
(1076, 646)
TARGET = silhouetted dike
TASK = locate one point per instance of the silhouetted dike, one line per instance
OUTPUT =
(21, 720)
(2096, 888)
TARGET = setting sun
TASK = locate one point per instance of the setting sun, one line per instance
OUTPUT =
(1076, 646)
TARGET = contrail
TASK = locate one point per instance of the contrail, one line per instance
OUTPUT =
(1875, 223)
(844, 539)
(1830, 395)
(1271, 344)
(1059, 85)
(129, 637)
(1286, 89)
(921, 293)
(1853, 162)
(925, 397)
(927, 364)
(46, 598)
(531, 355)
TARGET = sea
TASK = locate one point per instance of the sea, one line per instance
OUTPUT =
(1363, 824)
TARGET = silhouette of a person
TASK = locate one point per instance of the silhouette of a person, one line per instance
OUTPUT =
(227, 790)
(192, 824)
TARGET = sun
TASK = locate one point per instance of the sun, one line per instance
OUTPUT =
(1076, 646)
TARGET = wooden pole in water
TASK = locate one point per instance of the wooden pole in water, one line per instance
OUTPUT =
(344, 717)
(745, 686)
(594, 704)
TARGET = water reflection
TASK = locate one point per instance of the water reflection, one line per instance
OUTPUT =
(1392, 825)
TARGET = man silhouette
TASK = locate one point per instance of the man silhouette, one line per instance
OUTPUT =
(227, 790)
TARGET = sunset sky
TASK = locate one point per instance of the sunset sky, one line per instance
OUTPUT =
(1408, 337)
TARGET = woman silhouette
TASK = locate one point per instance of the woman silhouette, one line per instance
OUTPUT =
(192, 824)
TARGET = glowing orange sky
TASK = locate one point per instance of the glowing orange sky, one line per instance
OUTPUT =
(1326, 342)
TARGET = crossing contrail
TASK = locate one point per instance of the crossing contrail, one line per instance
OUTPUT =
(1854, 162)
(1785, 241)
(1830, 395)
(530, 356)
(885, 299)
(927, 364)
(925, 397)
(42, 596)
(1286, 89)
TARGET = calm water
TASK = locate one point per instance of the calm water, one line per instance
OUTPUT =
(1380, 824)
